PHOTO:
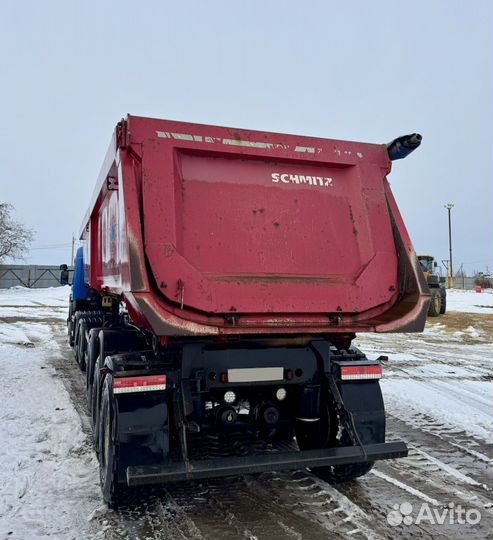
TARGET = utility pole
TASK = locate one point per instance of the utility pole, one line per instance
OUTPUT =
(73, 250)
(449, 207)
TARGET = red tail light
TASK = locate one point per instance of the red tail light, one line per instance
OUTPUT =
(358, 373)
(142, 383)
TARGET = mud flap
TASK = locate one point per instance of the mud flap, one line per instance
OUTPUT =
(363, 402)
(142, 432)
(142, 419)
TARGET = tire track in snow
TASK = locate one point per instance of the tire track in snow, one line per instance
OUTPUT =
(298, 504)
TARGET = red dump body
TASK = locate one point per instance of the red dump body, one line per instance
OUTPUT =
(207, 230)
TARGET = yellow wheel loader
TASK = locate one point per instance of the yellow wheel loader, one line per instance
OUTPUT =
(436, 284)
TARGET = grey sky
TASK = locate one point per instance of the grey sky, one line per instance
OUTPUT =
(357, 70)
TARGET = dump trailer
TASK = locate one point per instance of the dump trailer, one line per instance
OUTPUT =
(223, 277)
(436, 284)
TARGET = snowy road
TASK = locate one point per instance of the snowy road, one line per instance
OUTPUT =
(438, 394)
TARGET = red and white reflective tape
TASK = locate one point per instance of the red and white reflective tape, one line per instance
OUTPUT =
(359, 373)
(142, 383)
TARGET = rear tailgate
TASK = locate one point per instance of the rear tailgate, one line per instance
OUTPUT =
(250, 222)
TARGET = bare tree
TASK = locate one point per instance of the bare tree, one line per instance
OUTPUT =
(15, 237)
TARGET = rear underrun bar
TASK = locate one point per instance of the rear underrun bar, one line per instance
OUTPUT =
(262, 463)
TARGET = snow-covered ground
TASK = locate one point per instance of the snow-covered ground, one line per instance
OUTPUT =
(48, 475)
(48, 472)
(444, 373)
(470, 301)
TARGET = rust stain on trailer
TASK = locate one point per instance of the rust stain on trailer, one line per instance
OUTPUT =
(173, 326)
(137, 275)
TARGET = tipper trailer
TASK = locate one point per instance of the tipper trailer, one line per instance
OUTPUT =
(223, 276)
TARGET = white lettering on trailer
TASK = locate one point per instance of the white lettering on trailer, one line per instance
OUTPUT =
(179, 136)
(255, 144)
(182, 136)
(285, 178)
(242, 375)
(250, 144)
(238, 142)
(220, 140)
(307, 149)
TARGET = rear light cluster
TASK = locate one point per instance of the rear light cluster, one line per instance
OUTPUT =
(359, 373)
(142, 383)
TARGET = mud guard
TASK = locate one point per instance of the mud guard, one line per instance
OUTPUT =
(364, 402)
(142, 424)
(142, 432)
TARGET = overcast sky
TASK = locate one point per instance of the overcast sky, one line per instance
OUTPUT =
(357, 70)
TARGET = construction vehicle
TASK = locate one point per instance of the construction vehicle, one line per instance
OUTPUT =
(223, 277)
(436, 284)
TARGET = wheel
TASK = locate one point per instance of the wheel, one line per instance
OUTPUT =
(95, 406)
(443, 298)
(71, 332)
(70, 313)
(82, 345)
(340, 474)
(97, 357)
(76, 332)
(435, 304)
(325, 433)
(92, 351)
(113, 491)
(71, 323)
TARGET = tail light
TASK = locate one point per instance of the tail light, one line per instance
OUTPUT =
(142, 383)
(360, 373)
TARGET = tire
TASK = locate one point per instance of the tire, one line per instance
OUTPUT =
(71, 332)
(76, 333)
(82, 345)
(70, 313)
(341, 474)
(435, 304)
(443, 297)
(113, 491)
(323, 434)
(95, 406)
(92, 349)
(94, 393)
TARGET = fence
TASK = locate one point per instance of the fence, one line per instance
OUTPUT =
(469, 283)
(464, 282)
(32, 276)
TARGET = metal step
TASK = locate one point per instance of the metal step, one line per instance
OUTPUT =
(212, 468)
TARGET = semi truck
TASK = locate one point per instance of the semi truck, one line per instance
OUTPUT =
(223, 277)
